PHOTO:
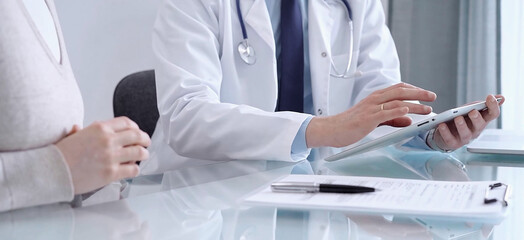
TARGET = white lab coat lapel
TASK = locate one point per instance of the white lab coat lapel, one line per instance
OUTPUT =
(258, 26)
(320, 24)
(257, 18)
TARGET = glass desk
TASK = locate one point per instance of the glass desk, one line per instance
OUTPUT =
(205, 202)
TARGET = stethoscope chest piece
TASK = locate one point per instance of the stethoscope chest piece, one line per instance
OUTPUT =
(247, 52)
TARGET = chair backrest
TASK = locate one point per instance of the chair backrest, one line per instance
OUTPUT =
(135, 97)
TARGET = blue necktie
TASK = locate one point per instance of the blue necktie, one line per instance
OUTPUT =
(291, 60)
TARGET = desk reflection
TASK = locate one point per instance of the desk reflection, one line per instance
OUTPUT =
(205, 202)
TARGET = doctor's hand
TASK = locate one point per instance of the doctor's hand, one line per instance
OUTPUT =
(460, 131)
(383, 107)
(103, 152)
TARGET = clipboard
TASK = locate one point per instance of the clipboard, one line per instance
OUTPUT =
(475, 201)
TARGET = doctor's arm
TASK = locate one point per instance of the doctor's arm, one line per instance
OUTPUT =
(378, 93)
(187, 42)
(382, 107)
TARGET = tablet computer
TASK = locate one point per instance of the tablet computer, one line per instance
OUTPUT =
(408, 132)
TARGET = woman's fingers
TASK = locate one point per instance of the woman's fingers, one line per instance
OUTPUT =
(127, 170)
(132, 154)
(121, 124)
(74, 130)
(132, 137)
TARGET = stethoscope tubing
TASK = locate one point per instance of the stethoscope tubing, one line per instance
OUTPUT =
(335, 72)
(241, 20)
(348, 9)
(247, 53)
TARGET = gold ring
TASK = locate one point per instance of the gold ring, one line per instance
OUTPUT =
(382, 107)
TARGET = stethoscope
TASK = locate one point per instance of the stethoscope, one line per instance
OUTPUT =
(248, 55)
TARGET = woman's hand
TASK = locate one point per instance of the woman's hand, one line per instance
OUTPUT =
(104, 152)
(382, 107)
(459, 132)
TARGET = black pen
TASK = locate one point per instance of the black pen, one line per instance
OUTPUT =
(312, 187)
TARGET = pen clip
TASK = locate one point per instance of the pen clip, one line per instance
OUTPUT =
(505, 198)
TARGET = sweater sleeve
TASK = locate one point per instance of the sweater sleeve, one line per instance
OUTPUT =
(34, 177)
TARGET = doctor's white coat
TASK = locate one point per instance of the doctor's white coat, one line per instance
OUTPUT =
(215, 107)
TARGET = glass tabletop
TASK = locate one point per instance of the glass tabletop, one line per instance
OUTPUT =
(206, 202)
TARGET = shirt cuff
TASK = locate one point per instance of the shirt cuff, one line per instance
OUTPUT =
(299, 149)
(419, 142)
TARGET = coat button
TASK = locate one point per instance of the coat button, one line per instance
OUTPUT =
(324, 54)
(319, 111)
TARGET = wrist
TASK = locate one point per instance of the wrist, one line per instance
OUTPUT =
(433, 144)
(318, 132)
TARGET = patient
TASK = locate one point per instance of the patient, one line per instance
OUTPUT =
(45, 155)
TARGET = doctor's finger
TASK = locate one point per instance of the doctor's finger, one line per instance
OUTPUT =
(388, 115)
(398, 85)
(493, 110)
(403, 121)
(413, 107)
(447, 137)
(478, 123)
(503, 99)
(407, 94)
(463, 130)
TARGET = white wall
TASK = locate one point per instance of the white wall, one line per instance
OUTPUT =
(106, 40)
(512, 62)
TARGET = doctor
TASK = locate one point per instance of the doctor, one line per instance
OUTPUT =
(271, 79)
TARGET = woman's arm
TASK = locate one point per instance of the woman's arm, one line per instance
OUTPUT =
(34, 177)
(83, 161)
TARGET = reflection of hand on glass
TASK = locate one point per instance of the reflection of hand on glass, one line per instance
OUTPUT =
(109, 221)
(174, 219)
(385, 229)
(444, 167)
(45, 222)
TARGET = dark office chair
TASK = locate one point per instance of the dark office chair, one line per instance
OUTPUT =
(135, 98)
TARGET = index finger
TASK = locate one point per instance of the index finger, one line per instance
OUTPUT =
(121, 124)
(418, 94)
(398, 85)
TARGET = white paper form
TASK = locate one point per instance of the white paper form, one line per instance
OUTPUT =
(464, 200)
